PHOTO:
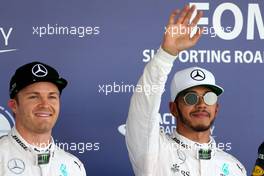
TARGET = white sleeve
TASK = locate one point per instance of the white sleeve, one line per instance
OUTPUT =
(77, 167)
(83, 170)
(142, 126)
(80, 167)
(1, 166)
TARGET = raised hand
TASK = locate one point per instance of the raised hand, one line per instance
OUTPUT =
(177, 35)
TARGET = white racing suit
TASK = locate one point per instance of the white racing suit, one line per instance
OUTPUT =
(18, 158)
(153, 153)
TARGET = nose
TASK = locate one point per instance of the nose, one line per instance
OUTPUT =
(201, 104)
(43, 102)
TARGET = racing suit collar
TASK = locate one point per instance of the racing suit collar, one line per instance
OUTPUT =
(32, 151)
(30, 147)
(194, 147)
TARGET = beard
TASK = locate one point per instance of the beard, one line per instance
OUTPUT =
(197, 128)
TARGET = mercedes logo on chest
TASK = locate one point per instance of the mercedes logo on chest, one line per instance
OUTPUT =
(39, 70)
(197, 75)
(16, 166)
(181, 156)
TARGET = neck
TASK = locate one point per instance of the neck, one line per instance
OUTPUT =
(33, 138)
(200, 137)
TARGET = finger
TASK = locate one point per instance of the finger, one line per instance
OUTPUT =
(173, 15)
(197, 35)
(188, 15)
(197, 18)
(183, 14)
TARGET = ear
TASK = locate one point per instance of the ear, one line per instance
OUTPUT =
(12, 104)
(173, 109)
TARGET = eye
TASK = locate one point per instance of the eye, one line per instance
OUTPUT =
(210, 98)
(33, 97)
(53, 97)
(191, 98)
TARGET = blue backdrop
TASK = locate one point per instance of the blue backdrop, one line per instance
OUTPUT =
(102, 46)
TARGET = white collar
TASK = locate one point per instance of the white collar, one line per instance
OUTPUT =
(193, 147)
(32, 151)
(24, 144)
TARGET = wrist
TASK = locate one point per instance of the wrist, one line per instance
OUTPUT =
(173, 53)
(164, 56)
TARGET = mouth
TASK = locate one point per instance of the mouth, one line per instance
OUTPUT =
(200, 114)
(43, 114)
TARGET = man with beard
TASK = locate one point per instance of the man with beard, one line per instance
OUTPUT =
(190, 150)
(29, 148)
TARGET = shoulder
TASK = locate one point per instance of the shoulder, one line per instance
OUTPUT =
(66, 155)
(5, 145)
(166, 138)
(4, 141)
(228, 158)
(76, 164)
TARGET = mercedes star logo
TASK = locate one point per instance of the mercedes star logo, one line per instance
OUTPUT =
(181, 156)
(39, 70)
(17, 166)
(197, 75)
